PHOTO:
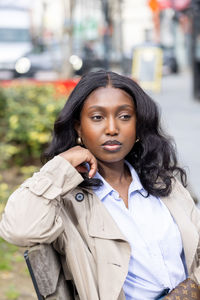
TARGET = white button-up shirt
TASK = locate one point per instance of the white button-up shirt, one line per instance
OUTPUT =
(157, 259)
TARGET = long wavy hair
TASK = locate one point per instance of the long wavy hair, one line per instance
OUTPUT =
(153, 157)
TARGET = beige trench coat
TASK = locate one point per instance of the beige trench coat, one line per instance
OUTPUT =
(49, 207)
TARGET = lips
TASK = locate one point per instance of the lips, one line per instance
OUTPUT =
(111, 146)
(111, 143)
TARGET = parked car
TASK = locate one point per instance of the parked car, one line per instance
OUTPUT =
(88, 58)
(42, 62)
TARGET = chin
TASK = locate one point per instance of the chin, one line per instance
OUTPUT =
(111, 160)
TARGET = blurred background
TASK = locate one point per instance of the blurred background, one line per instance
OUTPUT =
(48, 40)
(46, 45)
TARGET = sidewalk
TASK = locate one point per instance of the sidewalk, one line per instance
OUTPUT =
(181, 118)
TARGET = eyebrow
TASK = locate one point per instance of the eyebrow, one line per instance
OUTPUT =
(125, 106)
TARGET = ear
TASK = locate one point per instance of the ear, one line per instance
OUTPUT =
(77, 127)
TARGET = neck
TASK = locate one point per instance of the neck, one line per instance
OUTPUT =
(116, 172)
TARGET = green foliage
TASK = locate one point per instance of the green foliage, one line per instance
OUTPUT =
(4, 191)
(8, 254)
(12, 293)
(27, 116)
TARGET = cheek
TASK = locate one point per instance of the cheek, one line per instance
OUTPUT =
(130, 131)
(89, 135)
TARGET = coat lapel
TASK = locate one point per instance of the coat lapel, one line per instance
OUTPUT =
(112, 251)
(101, 223)
(189, 234)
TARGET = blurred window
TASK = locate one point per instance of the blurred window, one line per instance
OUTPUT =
(17, 35)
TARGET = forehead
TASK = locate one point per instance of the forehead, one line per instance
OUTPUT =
(108, 96)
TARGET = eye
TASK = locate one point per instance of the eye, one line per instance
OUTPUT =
(97, 118)
(125, 117)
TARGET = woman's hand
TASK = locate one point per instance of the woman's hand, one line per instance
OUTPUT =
(77, 156)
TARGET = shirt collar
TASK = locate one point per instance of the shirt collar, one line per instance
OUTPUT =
(103, 190)
(106, 188)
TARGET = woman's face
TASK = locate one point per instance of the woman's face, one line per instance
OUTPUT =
(108, 124)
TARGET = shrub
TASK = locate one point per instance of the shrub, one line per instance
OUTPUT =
(27, 114)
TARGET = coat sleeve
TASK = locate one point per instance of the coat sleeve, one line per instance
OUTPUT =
(30, 216)
(196, 264)
(194, 214)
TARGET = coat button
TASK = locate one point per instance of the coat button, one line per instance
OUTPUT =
(79, 197)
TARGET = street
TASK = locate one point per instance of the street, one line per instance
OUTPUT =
(180, 114)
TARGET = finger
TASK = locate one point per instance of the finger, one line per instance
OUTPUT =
(81, 169)
(93, 168)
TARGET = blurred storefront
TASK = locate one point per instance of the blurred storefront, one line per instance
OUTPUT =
(89, 34)
(178, 28)
(172, 23)
(196, 47)
(80, 35)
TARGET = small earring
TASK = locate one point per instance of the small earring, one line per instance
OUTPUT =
(79, 141)
(137, 140)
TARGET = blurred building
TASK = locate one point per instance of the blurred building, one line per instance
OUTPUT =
(173, 17)
(104, 33)
(196, 47)
(137, 20)
(179, 30)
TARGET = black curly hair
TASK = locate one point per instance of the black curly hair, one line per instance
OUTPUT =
(153, 157)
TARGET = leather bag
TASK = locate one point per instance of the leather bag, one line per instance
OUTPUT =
(186, 290)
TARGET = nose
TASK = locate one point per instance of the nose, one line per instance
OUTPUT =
(111, 127)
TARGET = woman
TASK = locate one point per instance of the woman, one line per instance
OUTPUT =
(108, 198)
